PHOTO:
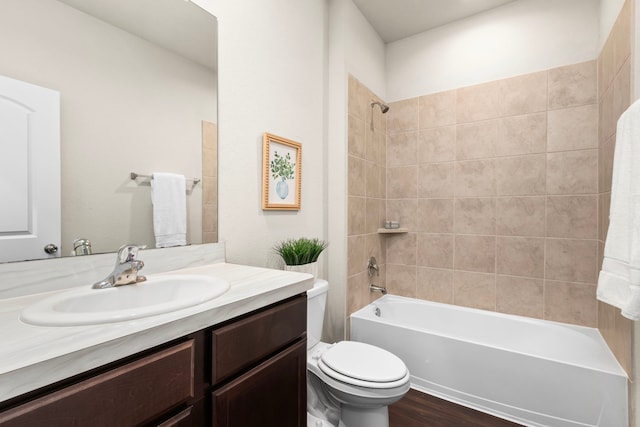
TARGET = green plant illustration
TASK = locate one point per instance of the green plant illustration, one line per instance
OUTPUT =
(281, 166)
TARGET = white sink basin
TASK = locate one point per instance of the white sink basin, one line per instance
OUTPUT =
(157, 295)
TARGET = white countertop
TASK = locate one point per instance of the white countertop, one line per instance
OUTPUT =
(35, 356)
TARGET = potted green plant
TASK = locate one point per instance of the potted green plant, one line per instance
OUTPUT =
(301, 254)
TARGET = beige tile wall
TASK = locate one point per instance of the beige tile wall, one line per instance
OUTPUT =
(367, 191)
(498, 185)
(614, 88)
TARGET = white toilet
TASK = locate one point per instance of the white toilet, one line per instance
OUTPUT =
(349, 384)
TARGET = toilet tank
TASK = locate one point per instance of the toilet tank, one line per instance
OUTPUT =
(316, 304)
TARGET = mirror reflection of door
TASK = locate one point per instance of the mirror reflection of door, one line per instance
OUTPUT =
(136, 79)
(29, 171)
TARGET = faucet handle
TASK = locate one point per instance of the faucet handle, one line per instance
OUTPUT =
(127, 266)
(126, 270)
(127, 253)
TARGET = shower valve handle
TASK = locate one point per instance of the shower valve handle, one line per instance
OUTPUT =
(372, 267)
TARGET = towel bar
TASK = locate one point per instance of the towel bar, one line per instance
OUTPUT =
(134, 176)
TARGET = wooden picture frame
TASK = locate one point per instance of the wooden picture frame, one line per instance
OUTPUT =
(281, 173)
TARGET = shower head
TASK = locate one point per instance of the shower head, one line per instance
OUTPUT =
(383, 107)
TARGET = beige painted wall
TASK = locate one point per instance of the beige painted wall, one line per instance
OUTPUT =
(517, 38)
(271, 79)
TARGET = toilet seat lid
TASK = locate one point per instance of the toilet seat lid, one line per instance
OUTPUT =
(363, 362)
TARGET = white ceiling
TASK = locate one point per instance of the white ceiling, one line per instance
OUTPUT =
(396, 19)
(177, 25)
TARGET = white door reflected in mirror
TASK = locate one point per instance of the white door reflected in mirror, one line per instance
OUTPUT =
(29, 171)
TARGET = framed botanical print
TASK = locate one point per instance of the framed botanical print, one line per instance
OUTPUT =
(281, 173)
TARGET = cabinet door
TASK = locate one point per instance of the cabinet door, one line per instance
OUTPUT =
(273, 394)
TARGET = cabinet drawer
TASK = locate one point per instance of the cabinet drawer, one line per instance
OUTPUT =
(273, 394)
(124, 396)
(245, 342)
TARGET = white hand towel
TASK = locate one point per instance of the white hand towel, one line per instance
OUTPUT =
(168, 195)
(619, 281)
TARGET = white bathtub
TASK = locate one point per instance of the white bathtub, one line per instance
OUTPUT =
(533, 372)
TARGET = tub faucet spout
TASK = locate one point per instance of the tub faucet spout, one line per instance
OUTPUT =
(374, 288)
(126, 270)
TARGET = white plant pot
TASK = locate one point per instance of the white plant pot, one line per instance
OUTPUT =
(311, 268)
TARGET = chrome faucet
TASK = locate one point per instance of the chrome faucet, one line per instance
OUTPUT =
(374, 288)
(82, 247)
(373, 269)
(125, 271)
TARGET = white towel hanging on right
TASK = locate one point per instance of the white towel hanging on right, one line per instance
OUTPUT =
(619, 280)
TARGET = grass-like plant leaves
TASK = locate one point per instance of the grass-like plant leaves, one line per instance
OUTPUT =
(300, 251)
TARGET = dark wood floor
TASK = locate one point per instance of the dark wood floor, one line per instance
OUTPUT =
(418, 409)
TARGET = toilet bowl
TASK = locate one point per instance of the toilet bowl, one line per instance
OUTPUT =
(351, 384)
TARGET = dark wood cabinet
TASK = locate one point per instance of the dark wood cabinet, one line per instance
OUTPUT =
(249, 371)
(243, 343)
(259, 367)
(184, 418)
(129, 395)
(273, 394)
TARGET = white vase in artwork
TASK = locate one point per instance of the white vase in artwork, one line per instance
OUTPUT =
(311, 268)
(282, 188)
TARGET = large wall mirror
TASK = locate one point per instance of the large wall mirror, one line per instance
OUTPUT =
(138, 93)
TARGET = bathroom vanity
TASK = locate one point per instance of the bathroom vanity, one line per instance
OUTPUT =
(237, 360)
